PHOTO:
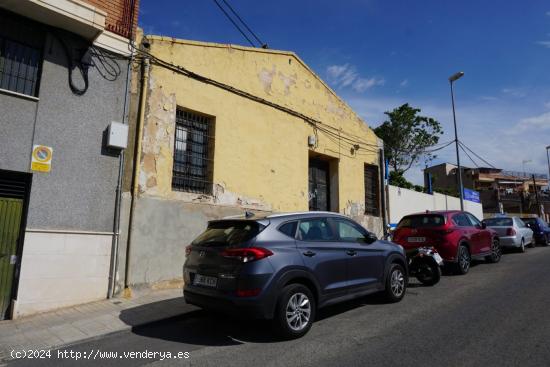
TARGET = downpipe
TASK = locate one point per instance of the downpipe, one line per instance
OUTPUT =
(135, 174)
(113, 268)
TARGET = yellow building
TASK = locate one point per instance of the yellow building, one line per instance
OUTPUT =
(225, 129)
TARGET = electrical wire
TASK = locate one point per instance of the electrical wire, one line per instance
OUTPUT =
(471, 159)
(330, 131)
(71, 65)
(264, 45)
(234, 23)
(474, 153)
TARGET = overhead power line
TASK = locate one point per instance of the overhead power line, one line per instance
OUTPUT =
(234, 23)
(262, 44)
(474, 153)
(471, 159)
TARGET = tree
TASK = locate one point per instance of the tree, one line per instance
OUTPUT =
(406, 137)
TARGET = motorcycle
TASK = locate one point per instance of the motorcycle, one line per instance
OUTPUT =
(425, 264)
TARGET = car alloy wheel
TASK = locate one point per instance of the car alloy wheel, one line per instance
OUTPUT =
(522, 247)
(496, 251)
(464, 259)
(397, 282)
(298, 311)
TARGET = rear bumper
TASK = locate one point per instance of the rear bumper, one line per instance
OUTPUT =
(255, 307)
(509, 241)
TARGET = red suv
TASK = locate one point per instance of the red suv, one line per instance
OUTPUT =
(458, 237)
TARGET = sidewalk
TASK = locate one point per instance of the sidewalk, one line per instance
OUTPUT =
(53, 330)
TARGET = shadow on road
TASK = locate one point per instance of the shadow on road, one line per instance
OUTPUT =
(205, 328)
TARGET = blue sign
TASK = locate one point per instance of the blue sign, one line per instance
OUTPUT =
(471, 195)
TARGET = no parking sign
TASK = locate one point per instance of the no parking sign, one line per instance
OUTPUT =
(41, 158)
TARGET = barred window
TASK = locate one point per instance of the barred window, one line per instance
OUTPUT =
(372, 189)
(19, 67)
(193, 152)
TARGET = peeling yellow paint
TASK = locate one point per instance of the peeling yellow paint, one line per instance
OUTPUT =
(260, 153)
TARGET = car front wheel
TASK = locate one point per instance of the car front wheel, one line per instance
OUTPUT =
(295, 311)
(396, 283)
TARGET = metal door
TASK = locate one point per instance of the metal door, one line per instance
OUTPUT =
(319, 180)
(10, 226)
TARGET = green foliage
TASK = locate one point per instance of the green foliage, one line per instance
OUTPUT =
(406, 137)
(397, 179)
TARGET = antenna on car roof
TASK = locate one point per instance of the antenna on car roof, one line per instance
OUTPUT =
(248, 214)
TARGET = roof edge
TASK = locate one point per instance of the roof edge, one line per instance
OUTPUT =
(260, 50)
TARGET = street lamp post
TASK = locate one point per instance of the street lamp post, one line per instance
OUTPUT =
(452, 79)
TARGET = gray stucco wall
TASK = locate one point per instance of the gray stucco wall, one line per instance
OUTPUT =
(79, 192)
(16, 129)
(162, 229)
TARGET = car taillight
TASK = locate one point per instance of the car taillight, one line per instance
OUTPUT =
(187, 250)
(246, 255)
(510, 232)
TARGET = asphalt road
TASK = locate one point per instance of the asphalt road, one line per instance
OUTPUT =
(497, 315)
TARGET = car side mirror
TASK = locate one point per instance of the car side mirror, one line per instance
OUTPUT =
(483, 225)
(370, 238)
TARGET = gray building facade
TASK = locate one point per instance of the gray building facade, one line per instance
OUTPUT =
(63, 81)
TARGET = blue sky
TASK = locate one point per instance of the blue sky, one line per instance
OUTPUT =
(379, 54)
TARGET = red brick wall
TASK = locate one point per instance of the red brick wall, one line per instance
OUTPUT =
(119, 14)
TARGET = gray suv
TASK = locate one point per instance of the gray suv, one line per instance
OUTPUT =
(286, 266)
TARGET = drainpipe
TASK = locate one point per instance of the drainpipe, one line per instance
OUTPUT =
(118, 195)
(382, 164)
(135, 174)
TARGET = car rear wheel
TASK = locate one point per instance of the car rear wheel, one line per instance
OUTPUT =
(295, 311)
(522, 246)
(396, 283)
(546, 241)
(496, 252)
(464, 260)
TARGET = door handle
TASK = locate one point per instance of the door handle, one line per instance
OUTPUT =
(309, 253)
(351, 252)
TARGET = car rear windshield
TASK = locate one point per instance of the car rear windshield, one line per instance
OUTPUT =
(498, 222)
(228, 233)
(420, 221)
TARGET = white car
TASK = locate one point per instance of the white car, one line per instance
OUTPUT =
(512, 232)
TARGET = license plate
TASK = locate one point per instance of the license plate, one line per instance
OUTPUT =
(416, 239)
(205, 281)
(438, 258)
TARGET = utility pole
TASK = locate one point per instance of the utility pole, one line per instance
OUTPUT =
(536, 196)
(452, 79)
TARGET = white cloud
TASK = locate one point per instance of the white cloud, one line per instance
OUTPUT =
(347, 76)
(360, 84)
(488, 98)
(547, 105)
(544, 43)
(514, 92)
(540, 122)
(404, 83)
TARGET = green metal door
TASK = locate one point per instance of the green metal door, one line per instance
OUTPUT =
(10, 227)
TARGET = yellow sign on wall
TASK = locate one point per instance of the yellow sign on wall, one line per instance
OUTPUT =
(41, 158)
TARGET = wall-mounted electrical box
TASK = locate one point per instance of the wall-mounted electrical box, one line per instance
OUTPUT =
(311, 140)
(117, 135)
